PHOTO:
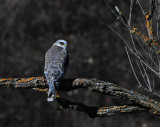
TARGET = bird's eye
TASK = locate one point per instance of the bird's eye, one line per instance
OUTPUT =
(61, 43)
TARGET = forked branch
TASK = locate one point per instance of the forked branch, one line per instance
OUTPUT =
(140, 103)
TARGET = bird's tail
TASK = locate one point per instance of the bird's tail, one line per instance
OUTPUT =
(52, 92)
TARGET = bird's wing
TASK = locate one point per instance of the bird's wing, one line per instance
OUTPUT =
(55, 62)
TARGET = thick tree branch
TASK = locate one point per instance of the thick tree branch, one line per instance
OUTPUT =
(140, 102)
(34, 82)
(114, 90)
(98, 111)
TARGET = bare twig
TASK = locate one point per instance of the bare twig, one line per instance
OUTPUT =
(146, 57)
(148, 40)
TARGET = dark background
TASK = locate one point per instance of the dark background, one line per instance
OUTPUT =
(27, 30)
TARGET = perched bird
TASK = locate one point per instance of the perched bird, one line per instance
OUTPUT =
(56, 62)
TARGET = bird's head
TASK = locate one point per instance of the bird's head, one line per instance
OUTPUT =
(61, 43)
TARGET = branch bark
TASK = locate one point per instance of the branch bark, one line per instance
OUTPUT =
(140, 102)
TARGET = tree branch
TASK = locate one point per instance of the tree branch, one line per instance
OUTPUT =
(141, 102)
(114, 90)
(98, 111)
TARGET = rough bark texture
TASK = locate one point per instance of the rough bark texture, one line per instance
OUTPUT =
(140, 102)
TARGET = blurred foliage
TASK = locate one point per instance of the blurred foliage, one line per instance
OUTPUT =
(29, 27)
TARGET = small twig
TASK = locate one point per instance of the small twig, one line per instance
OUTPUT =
(148, 40)
(148, 17)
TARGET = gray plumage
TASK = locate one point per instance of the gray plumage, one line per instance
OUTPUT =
(56, 61)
